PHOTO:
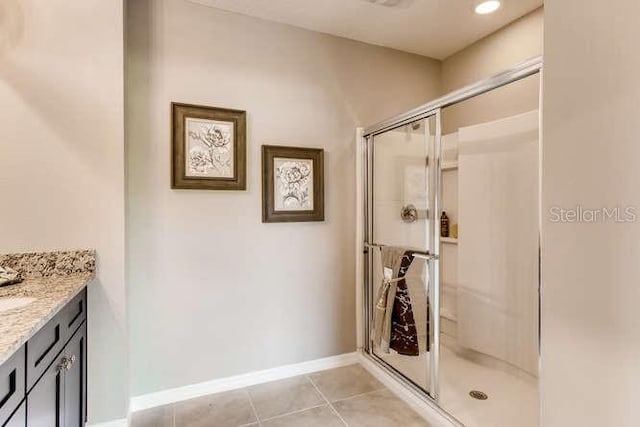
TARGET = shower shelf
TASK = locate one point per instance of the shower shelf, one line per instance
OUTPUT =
(447, 166)
(447, 314)
(449, 240)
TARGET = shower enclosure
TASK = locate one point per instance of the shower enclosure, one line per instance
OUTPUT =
(403, 163)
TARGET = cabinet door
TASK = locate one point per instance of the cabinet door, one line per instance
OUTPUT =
(75, 379)
(19, 418)
(11, 384)
(45, 400)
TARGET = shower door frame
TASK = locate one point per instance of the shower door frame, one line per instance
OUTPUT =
(520, 71)
(431, 257)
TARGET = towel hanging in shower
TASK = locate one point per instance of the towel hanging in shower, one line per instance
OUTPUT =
(394, 323)
(381, 331)
(404, 334)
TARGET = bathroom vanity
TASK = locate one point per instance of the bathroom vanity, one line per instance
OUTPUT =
(43, 345)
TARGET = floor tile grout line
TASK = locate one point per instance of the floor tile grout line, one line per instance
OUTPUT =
(358, 395)
(294, 412)
(253, 407)
(259, 420)
(334, 410)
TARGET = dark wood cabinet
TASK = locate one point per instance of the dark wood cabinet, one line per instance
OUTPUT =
(44, 401)
(59, 397)
(75, 383)
(43, 348)
(12, 373)
(54, 364)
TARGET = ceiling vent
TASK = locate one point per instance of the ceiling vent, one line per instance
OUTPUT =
(392, 3)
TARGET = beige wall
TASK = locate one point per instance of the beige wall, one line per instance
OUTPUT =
(61, 162)
(497, 52)
(213, 291)
(207, 301)
(590, 316)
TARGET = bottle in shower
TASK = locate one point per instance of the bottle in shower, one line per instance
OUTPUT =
(444, 225)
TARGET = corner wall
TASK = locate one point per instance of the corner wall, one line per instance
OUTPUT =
(213, 291)
(62, 166)
(590, 317)
(517, 42)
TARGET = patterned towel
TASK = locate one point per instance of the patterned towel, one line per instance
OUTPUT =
(394, 323)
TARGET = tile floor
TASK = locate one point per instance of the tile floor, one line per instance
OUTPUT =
(347, 396)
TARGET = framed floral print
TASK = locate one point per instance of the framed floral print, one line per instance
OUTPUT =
(208, 148)
(292, 184)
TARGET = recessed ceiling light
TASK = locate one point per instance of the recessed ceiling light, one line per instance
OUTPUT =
(392, 3)
(487, 7)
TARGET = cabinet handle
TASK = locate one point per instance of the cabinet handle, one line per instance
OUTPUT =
(65, 363)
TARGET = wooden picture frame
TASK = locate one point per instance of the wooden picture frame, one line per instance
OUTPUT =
(209, 148)
(292, 184)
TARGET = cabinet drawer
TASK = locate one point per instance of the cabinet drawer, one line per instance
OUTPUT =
(44, 346)
(75, 313)
(11, 384)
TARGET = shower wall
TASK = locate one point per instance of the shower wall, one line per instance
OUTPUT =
(449, 248)
(497, 294)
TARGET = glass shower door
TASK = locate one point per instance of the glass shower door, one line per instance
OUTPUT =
(402, 261)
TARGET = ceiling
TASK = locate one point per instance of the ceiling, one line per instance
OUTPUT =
(435, 28)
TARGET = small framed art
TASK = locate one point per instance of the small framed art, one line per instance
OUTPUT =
(208, 148)
(292, 184)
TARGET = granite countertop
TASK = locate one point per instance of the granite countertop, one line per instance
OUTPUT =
(53, 279)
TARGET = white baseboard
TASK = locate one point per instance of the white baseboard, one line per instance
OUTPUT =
(429, 411)
(178, 394)
(115, 423)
